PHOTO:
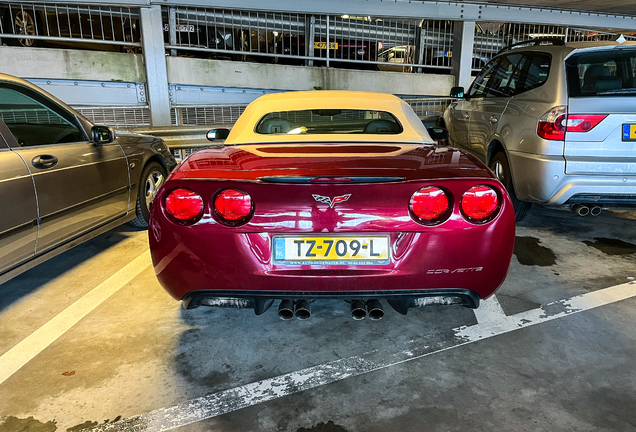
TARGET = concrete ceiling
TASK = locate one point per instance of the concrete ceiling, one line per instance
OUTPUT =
(620, 7)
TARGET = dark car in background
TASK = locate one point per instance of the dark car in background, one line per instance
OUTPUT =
(64, 180)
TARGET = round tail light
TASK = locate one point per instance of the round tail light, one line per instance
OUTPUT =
(430, 205)
(233, 205)
(184, 205)
(479, 203)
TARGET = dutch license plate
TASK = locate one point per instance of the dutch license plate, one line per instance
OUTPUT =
(629, 132)
(331, 250)
(323, 45)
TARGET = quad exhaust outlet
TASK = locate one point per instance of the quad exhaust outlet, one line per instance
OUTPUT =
(300, 309)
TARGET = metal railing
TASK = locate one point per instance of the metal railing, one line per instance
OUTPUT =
(117, 116)
(97, 27)
(491, 37)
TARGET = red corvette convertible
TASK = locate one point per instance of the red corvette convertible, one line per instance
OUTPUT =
(331, 194)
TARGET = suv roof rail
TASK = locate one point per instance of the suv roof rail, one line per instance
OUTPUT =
(534, 42)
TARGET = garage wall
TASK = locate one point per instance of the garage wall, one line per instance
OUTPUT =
(223, 73)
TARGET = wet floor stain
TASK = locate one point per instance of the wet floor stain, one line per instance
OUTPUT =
(529, 252)
(330, 426)
(29, 424)
(611, 246)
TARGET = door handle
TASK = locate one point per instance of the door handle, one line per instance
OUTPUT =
(466, 115)
(44, 161)
(493, 119)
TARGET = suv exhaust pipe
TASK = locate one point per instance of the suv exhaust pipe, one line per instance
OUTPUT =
(302, 309)
(375, 310)
(581, 210)
(358, 310)
(286, 310)
(596, 210)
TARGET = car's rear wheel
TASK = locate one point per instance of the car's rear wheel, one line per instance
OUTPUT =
(152, 178)
(499, 165)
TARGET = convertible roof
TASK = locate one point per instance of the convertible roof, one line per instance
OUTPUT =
(243, 131)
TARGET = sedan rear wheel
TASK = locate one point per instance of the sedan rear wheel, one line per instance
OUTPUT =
(501, 169)
(152, 178)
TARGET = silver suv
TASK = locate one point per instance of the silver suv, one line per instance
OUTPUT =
(555, 122)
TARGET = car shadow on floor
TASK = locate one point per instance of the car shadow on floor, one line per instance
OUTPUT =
(33, 279)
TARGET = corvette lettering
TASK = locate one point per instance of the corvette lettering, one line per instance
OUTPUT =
(459, 270)
(329, 201)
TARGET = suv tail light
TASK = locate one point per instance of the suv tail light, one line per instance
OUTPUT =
(583, 122)
(430, 205)
(552, 124)
(233, 206)
(184, 205)
(479, 203)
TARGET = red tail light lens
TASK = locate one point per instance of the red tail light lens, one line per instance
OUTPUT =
(584, 123)
(430, 205)
(479, 203)
(233, 205)
(552, 124)
(184, 205)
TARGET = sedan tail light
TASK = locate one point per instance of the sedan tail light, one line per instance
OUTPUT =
(233, 206)
(184, 205)
(552, 124)
(479, 203)
(430, 205)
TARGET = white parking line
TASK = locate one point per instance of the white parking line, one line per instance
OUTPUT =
(227, 401)
(36, 342)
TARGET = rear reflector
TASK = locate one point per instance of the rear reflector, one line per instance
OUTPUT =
(233, 205)
(430, 205)
(479, 203)
(184, 205)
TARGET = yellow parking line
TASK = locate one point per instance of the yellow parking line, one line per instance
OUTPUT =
(31, 346)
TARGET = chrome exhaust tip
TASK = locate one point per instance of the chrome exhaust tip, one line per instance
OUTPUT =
(302, 309)
(375, 310)
(286, 310)
(358, 310)
(581, 210)
(596, 210)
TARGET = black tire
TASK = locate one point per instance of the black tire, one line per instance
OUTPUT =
(152, 178)
(499, 165)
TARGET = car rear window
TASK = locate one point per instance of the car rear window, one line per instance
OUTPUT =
(328, 121)
(602, 73)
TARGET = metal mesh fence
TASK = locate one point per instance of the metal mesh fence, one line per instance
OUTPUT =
(94, 27)
(117, 116)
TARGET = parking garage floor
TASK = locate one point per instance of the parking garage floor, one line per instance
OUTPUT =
(90, 341)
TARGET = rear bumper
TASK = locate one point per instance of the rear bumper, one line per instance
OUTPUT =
(401, 301)
(542, 179)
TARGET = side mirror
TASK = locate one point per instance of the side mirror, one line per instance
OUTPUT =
(102, 135)
(457, 92)
(217, 134)
(437, 133)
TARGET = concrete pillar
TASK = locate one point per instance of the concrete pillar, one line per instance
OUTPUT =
(156, 70)
(463, 43)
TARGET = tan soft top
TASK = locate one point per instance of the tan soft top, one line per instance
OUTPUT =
(413, 129)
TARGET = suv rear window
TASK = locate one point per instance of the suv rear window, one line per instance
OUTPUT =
(328, 121)
(602, 73)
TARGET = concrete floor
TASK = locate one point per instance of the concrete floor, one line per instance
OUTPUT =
(556, 351)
